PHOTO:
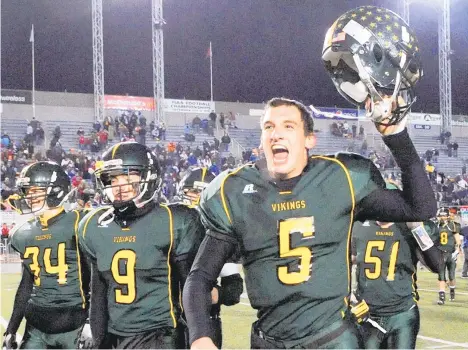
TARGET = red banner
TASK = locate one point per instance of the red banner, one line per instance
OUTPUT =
(133, 103)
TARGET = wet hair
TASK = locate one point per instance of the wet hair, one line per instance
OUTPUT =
(306, 115)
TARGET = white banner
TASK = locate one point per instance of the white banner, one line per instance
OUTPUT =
(425, 118)
(188, 106)
(464, 215)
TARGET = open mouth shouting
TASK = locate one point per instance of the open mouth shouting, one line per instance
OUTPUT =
(280, 154)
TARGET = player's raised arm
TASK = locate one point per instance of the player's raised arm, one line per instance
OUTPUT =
(416, 201)
(375, 72)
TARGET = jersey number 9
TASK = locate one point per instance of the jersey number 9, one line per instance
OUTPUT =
(126, 258)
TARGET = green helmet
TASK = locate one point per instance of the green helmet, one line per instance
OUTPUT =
(41, 181)
(126, 158)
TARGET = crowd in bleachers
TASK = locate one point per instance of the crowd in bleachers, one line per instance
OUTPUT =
(176, 158)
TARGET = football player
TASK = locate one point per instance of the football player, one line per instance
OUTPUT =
(386, 255)
(52, 294)
(292, 215)
(446, 234)
(231, 286)
(140, 252)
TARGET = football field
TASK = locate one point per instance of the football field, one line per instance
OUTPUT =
(442, 327)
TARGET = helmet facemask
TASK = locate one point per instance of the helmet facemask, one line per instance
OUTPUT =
(35, 198)
(141, 182)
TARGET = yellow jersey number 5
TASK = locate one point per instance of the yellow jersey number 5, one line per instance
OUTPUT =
(304, 226)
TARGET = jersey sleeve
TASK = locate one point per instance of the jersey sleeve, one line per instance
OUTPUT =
(363, 173)
(188, 231)
(85, 236)
(19, 238)
(215, 209)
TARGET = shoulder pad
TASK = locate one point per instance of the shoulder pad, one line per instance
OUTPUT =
(90, 216)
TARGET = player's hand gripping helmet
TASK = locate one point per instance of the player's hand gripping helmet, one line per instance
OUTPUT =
(140, 174)
(191, 186)
(41, 186)
(370, 52)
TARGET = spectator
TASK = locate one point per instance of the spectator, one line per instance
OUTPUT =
(5, 231)
(96, 126)
(435, 153)
(455, 148)
(364, 148)
(442, 138)
(162, 131)
(226, 140)
(232, 119)
(354, 128)
(213, 117)
(196, 124)
(142, 120)
(221, 120)
(107, 123)
(361, 132)
(449, 149)
(216, 143)
(142, 134)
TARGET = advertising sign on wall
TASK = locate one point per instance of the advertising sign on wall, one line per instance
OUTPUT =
(188, 106)
(16, 96)
(134, 103)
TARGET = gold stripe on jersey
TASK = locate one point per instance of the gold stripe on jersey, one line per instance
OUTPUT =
(169, 273)
(78, 259)
(353, 206)
(285, 192)
(89, 219)
(413, 285)
(223, 198)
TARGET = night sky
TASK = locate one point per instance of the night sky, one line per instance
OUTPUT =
(261, 48)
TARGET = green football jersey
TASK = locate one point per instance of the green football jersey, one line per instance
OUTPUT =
(294, 244)
(386, 267)
(443, 235)
(49, 250)
(137, 264)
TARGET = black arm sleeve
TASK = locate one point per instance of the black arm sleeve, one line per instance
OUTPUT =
(85, 274)
(23, 294)
(98, 310)
(182, 266)
(210, 259)
(432, 258)
(415, 203)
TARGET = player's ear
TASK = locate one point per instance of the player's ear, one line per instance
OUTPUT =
(310, 141)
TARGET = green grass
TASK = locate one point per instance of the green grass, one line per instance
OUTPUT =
(447, 323)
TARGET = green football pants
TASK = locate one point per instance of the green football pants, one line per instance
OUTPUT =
(402, 330)
(35, 339)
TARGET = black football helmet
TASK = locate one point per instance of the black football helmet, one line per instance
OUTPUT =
(371, 52)
(126, 158)
(41, 185)
(193, 183)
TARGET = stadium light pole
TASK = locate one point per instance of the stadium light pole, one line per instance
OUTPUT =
(445, 67)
